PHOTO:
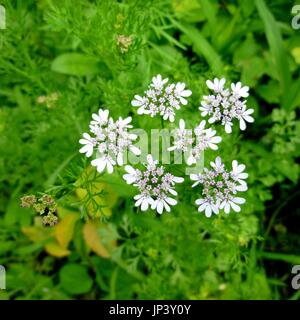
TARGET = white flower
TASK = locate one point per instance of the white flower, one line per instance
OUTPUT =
(132, 174)
(224, 105)
(142, 103)
(244, 116)
(232, 203)
(168, 114)
(89, 144)
(228, 126)
(194, 146)
(154, 186)
(163, 203)
(239, 90)
(220, 187)
(212, 139)
(111, 139)
(104, 162)
(237, 172)
(197, 178)
(101, 118)
(158, 83)
(217, 85)
(162, 99)
(205, 108)
(181, 93)
(207, 206)
(182, 138)
(143, 201)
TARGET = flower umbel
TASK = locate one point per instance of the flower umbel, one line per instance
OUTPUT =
(44, 206)
(225, 104)
(109, 139)
(154, 185)
(194, 146)
(220, 187)
(162, 99)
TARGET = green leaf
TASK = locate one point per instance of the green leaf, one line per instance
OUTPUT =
(289, 258)
(288, 169)
(75, 279)
(276, 46)
(269, 91)
(202, 47)
(77, 64)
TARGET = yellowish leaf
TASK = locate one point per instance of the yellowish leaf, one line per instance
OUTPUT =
(62, 212)
(296, 54)
(65, 228)
(93, 241)
(37, 234)
(54, 249)
(99, 200)
(106, 200)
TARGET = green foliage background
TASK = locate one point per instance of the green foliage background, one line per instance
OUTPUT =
(60, 61)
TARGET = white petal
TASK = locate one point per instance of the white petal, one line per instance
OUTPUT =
(190, 160)
(234, 165)
(199, 202)
(235, 207)
(218, 161)
(243, 175)
(186, 93)
(130, 169)
(173, 192)
(242, 124)
(135, 150)
(181, 124)
(242, 188)
(239, 200)
(138, 202)
(144, 205)
(167, 207)
(171, 201)
(212, 146)
(110, 168)
(86, 136)
(120, 159)
(210, 84)
(178, 179)
(172, 148)
(194, 176)
(228, 128)
(129, 178)
(248, 119)
(99, 163)
(240, 168)
(202, 207)
(160, 207)
(227, 208)
(208, 211)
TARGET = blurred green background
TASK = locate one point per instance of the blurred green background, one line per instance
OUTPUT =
(60, 61)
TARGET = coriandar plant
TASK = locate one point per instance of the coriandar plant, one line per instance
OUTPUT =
(110, 139)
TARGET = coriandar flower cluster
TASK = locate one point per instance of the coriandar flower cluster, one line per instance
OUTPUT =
(109, 139)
